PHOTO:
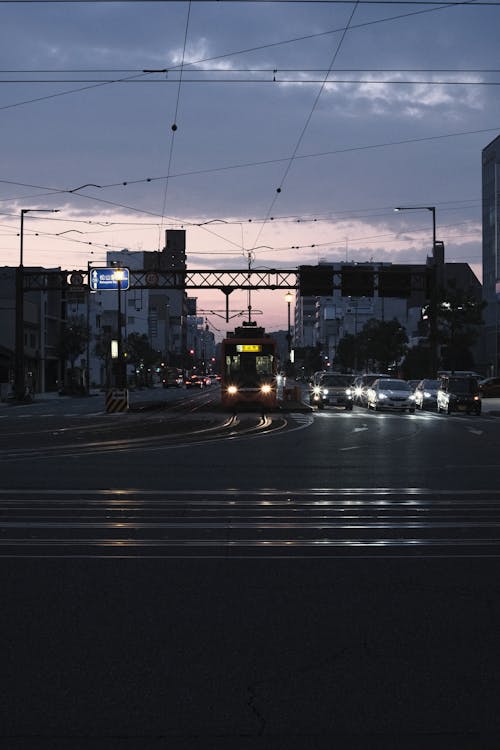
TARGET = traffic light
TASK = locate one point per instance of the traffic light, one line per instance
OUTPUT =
(394, 282)
(357, 281)
(316, 281)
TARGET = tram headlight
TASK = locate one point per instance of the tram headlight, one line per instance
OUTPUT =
(266, 388)
(232, 389)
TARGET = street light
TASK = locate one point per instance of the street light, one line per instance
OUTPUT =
(433, 323)
(289, 298)
(19, 383)
(119, 275)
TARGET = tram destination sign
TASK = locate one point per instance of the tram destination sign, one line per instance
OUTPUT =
(109, 278)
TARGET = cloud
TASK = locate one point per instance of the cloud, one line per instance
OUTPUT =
(198, 53)
(398, 94)
(414, 98)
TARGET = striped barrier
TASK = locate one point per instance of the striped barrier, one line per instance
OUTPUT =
(116, 400)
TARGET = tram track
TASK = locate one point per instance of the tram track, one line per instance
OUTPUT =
(176, 435)
(393, 524)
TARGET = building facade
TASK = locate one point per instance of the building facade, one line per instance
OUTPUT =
(491, 252)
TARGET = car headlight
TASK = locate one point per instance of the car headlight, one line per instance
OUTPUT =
(348, 392)
(266, 388)
(411, 397)
(427, 394)
(381, 396)
(325, 391)
(232, 389)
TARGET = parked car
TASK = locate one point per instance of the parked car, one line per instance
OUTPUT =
(458, 393)
(361, 385)
(391, 393)
(426, 394)
(489, 388)
(332, 389)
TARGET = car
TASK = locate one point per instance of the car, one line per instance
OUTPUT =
(361, 384)
(458, 393)
(172, 376)
(194, 381)
(426, 394)
(332, 389)
(489, 388)
(391, 393)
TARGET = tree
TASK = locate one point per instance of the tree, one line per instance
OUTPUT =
(139, 352)
(459, 321)
(417, 362)
(383, 342)
(345, 355)
(72, 343)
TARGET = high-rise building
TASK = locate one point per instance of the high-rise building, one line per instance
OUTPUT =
(491, 252)
(158, 313)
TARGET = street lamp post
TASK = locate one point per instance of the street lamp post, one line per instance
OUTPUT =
(433, 301)
(119, 276)
(19, 377)
(288, 298)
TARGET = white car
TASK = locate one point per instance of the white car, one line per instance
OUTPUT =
(391, 393)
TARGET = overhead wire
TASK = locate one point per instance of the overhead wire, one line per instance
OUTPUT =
(290, 160)
(256, 48)
(174, 125)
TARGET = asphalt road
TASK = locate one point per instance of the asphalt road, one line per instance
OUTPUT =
(172, 579)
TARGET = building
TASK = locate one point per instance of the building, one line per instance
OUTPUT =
(160, 314)
(322, 321)
(491, 252)
(44, 312)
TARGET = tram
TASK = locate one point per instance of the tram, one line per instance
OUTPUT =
(248, 372)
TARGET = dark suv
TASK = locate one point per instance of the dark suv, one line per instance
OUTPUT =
(458, 393)
(332, 389)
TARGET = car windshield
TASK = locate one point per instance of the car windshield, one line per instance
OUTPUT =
(394, 385)
(462, 385)
(431, 384)
(333, 381)
(369, 379)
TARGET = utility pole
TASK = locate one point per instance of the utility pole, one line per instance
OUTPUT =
(19, 363)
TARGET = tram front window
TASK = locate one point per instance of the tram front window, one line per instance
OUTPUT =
(248, 369)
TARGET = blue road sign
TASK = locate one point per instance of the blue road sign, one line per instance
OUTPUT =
(109, 278)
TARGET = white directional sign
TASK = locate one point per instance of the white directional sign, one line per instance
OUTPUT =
(109, 278)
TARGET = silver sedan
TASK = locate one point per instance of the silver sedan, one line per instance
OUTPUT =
(391, 393)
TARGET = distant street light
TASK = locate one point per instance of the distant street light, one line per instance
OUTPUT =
(19, 375)
(433, 322)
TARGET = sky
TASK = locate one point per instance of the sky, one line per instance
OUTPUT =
(274, 133)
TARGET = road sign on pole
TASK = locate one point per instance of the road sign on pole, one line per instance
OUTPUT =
(109, 278)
